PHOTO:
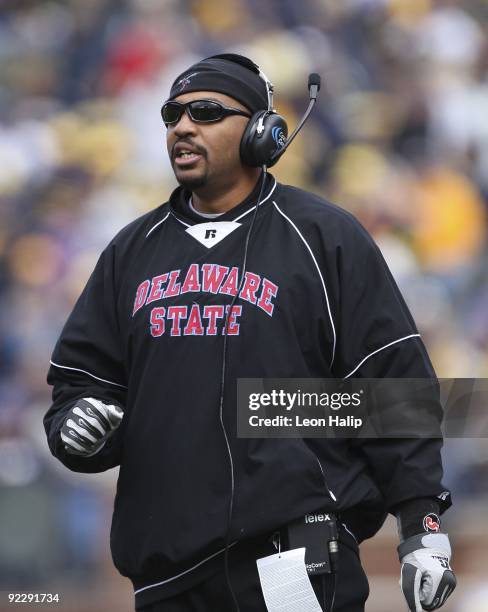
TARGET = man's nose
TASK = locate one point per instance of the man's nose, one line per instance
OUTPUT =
(184, 126)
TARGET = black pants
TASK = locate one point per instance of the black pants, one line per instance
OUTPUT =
(212, 595)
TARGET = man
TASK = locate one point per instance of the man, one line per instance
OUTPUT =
(186, 300)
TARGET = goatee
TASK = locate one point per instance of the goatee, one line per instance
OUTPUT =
(192, 183)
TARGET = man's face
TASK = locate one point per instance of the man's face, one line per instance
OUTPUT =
(214, 147)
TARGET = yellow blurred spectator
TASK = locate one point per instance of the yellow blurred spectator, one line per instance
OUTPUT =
(217, 17)
(35, 259)
(408, 12)
(96, 142)
(449, 224)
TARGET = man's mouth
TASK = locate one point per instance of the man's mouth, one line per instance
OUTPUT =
(185, 156)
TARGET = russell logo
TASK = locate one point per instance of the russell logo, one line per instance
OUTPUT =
(432, 523)
(278, 136)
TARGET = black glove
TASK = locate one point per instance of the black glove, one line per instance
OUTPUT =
(426, 576)
(88, 426)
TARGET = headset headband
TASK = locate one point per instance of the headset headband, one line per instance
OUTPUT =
(269, 89)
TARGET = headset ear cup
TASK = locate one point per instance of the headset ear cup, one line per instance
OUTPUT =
(246, 146)
(258, 149)
(274, 138)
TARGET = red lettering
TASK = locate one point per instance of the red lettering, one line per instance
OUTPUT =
(173, 288)
(231, 282)
(141, 295)
(212, 313)
(212, 277)
(232, 325)
(191, 282)
(267, 294)
(194, 326)
(176, 313)
(250, 286)
(156, 290)
(157, 322)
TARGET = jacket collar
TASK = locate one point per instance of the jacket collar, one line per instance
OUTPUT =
(179, 207)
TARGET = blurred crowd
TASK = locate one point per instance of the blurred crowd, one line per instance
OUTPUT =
(399, 137)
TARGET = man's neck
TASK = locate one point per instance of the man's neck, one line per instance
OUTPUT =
(220, 202)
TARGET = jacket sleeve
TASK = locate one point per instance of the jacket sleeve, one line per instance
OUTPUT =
(87, 362)
(377, 338)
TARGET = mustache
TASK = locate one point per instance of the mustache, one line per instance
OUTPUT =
(198, 148)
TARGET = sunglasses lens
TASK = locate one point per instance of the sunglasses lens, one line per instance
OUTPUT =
(171, 112)
(205, 110)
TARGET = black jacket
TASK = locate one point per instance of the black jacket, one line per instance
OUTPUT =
(146, 333)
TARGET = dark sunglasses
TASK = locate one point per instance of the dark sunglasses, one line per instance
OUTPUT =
(201, 111)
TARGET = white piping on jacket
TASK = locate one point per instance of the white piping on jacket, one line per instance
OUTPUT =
(57, 365)
(150, 586)
(156, 225)
(182, 222)
(378, 350)
(320, 274)
(259, 204)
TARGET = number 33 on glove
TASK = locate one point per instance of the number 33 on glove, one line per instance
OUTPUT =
(88, 426)
(426, 576)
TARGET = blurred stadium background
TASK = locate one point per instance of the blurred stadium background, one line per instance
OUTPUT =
(399, 137)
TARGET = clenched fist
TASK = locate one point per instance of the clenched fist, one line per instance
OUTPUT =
(427, 579)
(88, 426)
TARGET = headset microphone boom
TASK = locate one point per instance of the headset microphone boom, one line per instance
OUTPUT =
(313, 90)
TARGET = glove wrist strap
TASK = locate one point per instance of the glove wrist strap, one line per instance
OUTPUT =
(438, 541)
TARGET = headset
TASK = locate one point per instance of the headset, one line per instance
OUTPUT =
(265, 133)
(265, 138)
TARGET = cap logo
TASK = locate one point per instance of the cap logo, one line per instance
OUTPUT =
(185, 81)
(432, 523)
